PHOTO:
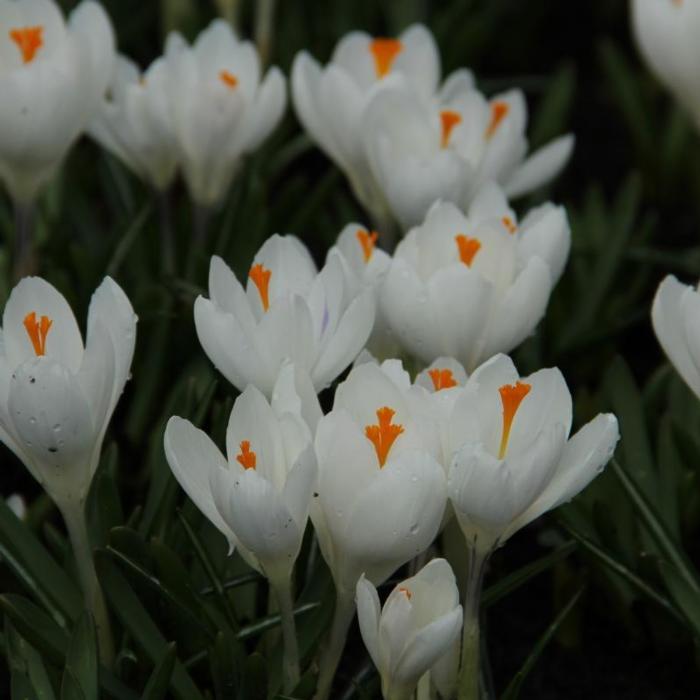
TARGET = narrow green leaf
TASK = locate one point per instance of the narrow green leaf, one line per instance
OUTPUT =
(81, 660)
(157, 686)
(266, 623)
(70, 688)
(254, 686)
(24, 660)
(685, 596)
(126, 240)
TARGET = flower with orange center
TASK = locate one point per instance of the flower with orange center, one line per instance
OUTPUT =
(384, 52)
(37, 331)
(442, 378)
(228, 79)
(511, 398)
(384, 433)
(448, 120)
(468, 248)
(29, 40)
(367, 240)
(261, 278)
(246, 458)
(499, 111)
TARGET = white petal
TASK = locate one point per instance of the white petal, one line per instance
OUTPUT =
(545, 233)
(368, 612)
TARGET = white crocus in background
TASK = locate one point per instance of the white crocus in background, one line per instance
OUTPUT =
(418, 624)
(330, 101)
(675, 315)
(58, 397)
(222, 109)
(667, 35)
(259, 497)
(135, 122)
(288, 310)
(471, 286)
(517, 461)
(381, 492)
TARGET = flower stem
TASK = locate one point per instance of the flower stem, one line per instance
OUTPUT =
(470, 667)
(423, 690)
(166, 232)
(24, 262)
(200, 228)
(74, 517)
(290, 660)
(263, 29)
(330, 657)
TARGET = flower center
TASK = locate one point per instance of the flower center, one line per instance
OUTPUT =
(29, 40)
(509, 224)
(228, 79)
(383, 434)
(468, 248)
(384, 52)
(37, 331)
(499, 111)
(406, 592)
(449, 120)
(367, 239)
(511, 398)
(442, 378)
(261, 277)
(247, 458)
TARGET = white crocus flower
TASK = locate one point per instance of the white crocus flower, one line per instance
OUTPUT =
(259, 496)
(420, 151)
(221, 108)
(381, 492)
(53, 76)
(667, 35)
(471, 286)
(288, 311)
(330, 101)
(675, 316)
(418, 625)
(135, 122)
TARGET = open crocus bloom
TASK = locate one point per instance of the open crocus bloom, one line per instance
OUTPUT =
(471, 286)
(675, 316)
(667, 34)
(330, 101)
(417, 626)
(56, 396)
(259, 496)
(381, 493)
(135, 123)
(420, 151)
(517, 460)
(288, 311)
(221, 109)
(53, 76)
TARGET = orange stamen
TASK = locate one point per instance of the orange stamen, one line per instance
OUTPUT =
(406, 592)
(511, 397)
(29, 40)
(247, 458)
(228, 79)
(261, 277)
(449, 120)
(468, 248)
(367, 239)
(509, 224)
(384, 52)
(499, 110)
(442, 378)
(384, 433)
(37, 331)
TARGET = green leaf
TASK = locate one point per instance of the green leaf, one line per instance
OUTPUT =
(127, 239)
(513, 690)
(157, 686)
(254, 685)
(27, 665)
(81, 660)
(70, 688)
(685, 596)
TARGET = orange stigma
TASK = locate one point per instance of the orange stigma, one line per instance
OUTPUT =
(384, 433)
(29, 40)
(261, 277)
(442, 378)
(367, 239)
(37, 331)
(406, 592)
(468, 248)
(509, 224)
(228, 79)
(247, 458)
(449, 120)
(511, 397)
(499, 111)
(384, 52)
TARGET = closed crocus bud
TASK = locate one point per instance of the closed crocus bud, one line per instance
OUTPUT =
(53, 77)
(675, 316)
(471, 286)
(221, 109)
(330, 101)
(58, 394)
(667, 35)
(418, 626)
(287, 311)
(420, 151)
(135, 122)
(517, 460)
